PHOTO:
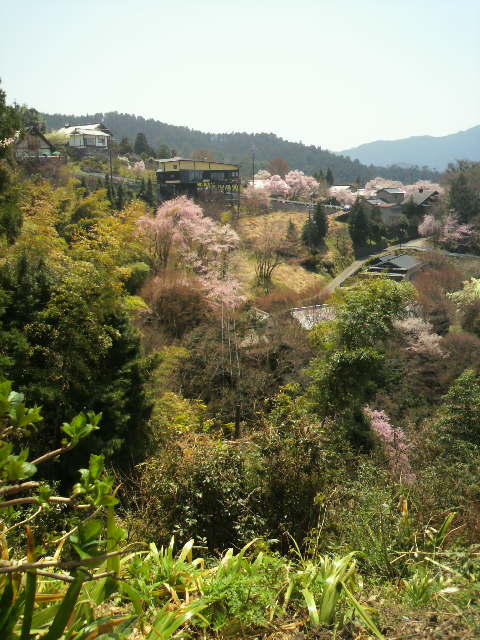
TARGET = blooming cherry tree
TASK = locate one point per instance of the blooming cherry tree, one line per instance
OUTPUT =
(343, 196)
(277, 186)
(394, 442)
(180, 236)
(301, 186)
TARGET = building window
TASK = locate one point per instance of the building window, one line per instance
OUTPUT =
(90, 140)
(102, 141)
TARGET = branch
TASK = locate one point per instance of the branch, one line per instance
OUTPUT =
(52, 499)
(69, 533)
(5, 432)
(29, 519)
(51, 454)
(59, 576)
(6, 567)
(16, 488)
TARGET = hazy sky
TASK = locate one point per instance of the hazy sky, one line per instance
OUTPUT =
(334, 73)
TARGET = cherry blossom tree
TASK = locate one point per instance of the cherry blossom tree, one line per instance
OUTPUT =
(342, 196)
(423, 185)
(256, 199)
(456, 237)
(420, 337)
(394, 442)
(263, 174)
(181, 237)
(301, 186)
(139, 167)
(430, 226)
(277, 186)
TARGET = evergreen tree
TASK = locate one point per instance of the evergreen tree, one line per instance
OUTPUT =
(10, 214)
(358, 224)
(125, 146)
(463, 199)
(110, 190)
(329, 177)
(164, 151)
(149, 195)
(120, 200)
(141, 192)
(320, 221)
(141, 145)
(291, 237)
(459, 416)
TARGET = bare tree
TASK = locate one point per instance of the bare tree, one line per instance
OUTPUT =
(268, 255)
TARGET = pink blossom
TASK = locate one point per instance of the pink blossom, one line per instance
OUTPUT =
(277, 186)
(263, 174)
(420, 337)
(301, 186)
(256, 198)
(180, 236)
(139, 167)
(457, 236)
(394, 442)
(343, 196)
(429, 226)
(6, 142)
(425, 185)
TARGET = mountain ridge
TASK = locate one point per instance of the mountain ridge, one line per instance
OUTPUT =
(237, 147)
(431, 151)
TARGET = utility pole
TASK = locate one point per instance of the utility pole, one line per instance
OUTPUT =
(110, 160)
(253, 165)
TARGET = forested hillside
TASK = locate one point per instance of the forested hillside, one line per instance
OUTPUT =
(237, 147)
(182, 456)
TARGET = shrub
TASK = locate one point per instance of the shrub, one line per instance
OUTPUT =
(200, 488)
(177, 302)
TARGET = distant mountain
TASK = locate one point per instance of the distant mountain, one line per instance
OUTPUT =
(424, 151)
(237, 147)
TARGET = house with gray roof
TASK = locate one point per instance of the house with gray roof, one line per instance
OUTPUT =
(401, 267)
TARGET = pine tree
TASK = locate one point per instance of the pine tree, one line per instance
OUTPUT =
(141, 192)
(358, 224)
(463, 199)
(141, 145)
(291, 237)
(320, 220)
(149, 195)
(329, 177)
(120, 201)
(125, 146)
(110, 190)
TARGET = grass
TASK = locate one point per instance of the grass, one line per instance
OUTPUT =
(286, 275)
(251, 227)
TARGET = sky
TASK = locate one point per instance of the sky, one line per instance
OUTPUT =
(333, 73)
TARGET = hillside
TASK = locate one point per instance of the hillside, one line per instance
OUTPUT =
(237, 147)
(424, 151)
